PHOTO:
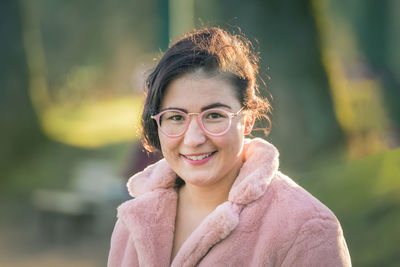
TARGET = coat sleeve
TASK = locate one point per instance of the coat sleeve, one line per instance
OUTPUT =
(122, 253)
(319, 242)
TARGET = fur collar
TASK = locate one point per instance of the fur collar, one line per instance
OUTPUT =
(260, 163)
(150, 217)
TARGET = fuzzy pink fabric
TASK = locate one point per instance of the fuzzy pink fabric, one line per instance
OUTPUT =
(268, 220)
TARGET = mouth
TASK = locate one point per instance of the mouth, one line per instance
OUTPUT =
(199, 158)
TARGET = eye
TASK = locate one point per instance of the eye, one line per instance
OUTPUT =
(176, 118)
(215, 115)
(173, 116)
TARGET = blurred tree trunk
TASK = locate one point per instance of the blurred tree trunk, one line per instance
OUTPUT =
(378, 31)
(356, 86)
(20, 133)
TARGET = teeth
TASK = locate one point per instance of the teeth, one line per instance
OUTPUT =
(199, 157)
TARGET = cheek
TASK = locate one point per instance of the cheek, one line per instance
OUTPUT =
(232, 140)
(238, 130)
(237, 138)
(168, 145)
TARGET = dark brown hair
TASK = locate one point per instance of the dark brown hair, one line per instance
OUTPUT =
(215, 52)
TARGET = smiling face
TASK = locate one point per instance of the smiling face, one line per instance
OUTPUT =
(198, 158)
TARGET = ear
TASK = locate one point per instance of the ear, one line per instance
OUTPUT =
(249, 123)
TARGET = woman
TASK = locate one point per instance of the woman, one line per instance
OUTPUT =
(217, 198)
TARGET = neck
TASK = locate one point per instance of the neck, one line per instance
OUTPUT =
(207, 198)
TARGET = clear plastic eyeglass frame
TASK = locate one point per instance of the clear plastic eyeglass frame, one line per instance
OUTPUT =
(188, 118)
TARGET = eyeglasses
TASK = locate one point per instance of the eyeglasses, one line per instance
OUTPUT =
(174, 122)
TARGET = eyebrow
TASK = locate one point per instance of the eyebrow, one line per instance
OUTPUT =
(214, 105)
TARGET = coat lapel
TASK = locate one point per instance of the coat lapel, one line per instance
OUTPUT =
(261, 162)
(150, 220)
(215, 227)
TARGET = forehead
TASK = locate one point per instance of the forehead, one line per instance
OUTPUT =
(196, 90)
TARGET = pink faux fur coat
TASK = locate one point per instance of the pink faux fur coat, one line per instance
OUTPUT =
(268, 221)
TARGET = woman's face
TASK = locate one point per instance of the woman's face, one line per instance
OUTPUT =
(201, 159)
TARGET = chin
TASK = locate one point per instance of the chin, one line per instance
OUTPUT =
(200, 180)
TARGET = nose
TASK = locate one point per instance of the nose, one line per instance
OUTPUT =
(194, 135)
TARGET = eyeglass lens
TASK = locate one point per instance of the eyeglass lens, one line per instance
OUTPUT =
(213, 121)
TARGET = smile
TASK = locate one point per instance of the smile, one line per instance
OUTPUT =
(198, 159)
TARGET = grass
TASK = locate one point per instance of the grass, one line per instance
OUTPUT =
(94, 124)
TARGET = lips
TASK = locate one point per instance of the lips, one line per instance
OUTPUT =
(198, 159)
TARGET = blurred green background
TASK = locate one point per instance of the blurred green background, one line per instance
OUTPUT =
(71, 92)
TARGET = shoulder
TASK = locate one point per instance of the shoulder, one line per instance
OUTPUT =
(295, 201)
(119, 244)
(286, 210)
(285, 207)
(310, 230)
